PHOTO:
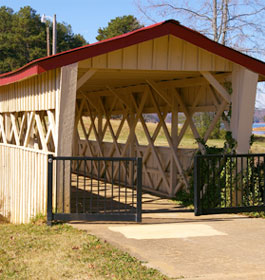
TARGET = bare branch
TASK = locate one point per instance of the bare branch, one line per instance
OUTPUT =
(143, 12)
(182, 9)
(235, 23)
(247, 14)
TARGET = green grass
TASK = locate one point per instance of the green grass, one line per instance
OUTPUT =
(259, 144)
(256, 214)
(62, 252)
(184, 199)
(187, 142)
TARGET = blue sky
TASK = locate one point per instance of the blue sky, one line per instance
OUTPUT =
(85, 16)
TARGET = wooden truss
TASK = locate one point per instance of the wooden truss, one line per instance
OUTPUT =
(29, 129)
(93, 120)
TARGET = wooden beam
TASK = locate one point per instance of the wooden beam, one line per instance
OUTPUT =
(177, 83)
(88, 75)
(215, 120)
(191, 82)
(94, 103)
(219, 88)
(159, 91)
(40, 131)
(22, 126)
(29, 127)
(119, 96)
(174, 136)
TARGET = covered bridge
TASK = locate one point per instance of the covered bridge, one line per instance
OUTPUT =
(62, 105)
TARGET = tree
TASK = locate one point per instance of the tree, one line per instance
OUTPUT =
(236, 23)
(23, 37)
(66, 39)
(118, 26)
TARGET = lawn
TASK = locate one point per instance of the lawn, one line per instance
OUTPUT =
(187, 142)
(61, 252)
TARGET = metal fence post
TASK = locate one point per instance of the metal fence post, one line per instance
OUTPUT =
(139, 190)
(197, 207)
(49, 191)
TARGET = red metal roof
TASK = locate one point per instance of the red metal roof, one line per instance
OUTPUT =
(144, 34)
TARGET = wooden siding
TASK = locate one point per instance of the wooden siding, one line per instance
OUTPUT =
(34, 94)
(23, 183)
(164, 53)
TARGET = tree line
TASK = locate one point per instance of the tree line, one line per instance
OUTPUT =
(23, 36)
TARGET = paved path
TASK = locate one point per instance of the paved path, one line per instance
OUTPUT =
(225, 247)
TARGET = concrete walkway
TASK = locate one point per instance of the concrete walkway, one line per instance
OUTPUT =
(180, 245)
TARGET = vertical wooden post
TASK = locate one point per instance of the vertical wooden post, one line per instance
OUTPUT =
(54, 35)
(100, 127)
(174, 136)
(75, 151)
(132, 148)
(65, 119)
(244, 86)
(48, 39)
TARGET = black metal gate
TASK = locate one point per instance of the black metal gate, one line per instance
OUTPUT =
(95, 189)
(229, 183)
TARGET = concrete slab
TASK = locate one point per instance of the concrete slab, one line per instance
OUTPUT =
(164, 231)
(182, 245)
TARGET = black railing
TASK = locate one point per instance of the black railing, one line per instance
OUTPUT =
(91, 188)
(229, 183)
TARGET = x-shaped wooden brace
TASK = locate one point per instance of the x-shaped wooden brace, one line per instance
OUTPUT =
(133, 125)
(114, 138)
(147, 152)
(162, 94)
(152, 147)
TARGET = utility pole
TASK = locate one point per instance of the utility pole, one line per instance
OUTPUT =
(48, 39)
(54, 35)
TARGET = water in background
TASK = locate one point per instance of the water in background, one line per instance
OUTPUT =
(258, 125)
